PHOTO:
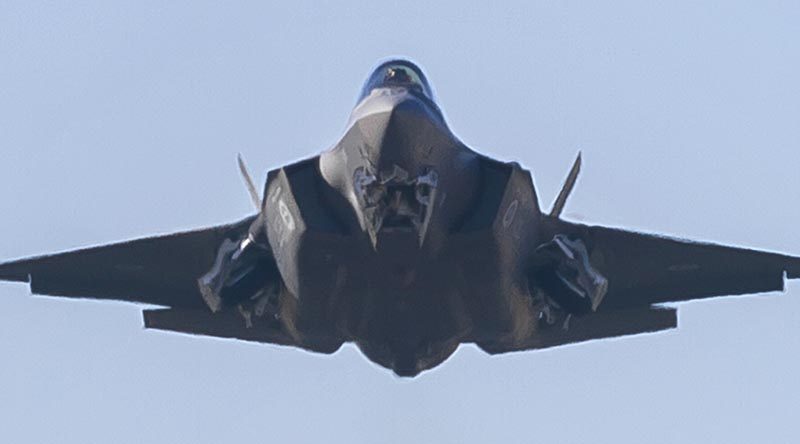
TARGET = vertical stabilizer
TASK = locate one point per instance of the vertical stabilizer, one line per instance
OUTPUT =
(569, 183)
(248, 181)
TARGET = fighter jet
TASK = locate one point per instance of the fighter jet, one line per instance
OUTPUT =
(405, 241)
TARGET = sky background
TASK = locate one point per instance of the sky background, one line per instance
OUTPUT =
(121, 121)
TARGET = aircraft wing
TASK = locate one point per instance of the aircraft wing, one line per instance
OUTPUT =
(644, 269)
(159, 270)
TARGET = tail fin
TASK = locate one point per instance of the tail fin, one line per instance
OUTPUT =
(569, 183)
(248, 181)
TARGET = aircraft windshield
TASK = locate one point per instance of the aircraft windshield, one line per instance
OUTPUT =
(397, 73)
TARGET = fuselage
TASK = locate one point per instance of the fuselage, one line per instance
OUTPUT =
(409, 235)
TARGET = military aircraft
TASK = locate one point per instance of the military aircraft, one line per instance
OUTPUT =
(406, 242)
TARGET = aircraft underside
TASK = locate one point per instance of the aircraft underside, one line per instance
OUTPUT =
(405, 241)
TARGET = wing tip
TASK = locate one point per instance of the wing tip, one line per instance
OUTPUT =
(792, 271)
(15, 272)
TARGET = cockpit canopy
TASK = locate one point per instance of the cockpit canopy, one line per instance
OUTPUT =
(398, 73)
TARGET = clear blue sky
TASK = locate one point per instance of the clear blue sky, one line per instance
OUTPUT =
(123, 121)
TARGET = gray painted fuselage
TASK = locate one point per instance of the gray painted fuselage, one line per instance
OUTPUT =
(407, 292)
